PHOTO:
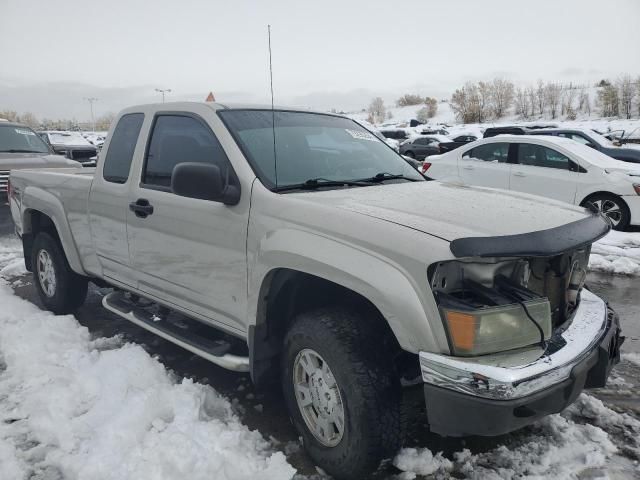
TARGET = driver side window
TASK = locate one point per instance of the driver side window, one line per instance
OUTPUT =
(176, 139)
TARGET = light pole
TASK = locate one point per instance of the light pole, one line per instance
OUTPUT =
(91, 100)
(163, 91)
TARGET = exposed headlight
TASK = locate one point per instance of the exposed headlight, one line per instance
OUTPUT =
(487, 308)
(497, 329)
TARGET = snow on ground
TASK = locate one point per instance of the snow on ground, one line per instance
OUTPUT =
(582, 442)
(617, 252)
(72, 407)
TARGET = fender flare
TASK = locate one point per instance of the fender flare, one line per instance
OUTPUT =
(39, 200)
(390, 289)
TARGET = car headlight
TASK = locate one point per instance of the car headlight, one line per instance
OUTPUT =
(487, 308)
(497, 329)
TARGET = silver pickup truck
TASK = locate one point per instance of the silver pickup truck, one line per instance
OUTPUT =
(299, 247)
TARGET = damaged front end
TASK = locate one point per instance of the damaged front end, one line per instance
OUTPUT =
(525, 335)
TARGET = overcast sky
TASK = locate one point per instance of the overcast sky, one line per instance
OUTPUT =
(326, 53)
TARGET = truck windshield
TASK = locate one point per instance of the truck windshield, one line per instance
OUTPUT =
(19, 139)
(312, 146)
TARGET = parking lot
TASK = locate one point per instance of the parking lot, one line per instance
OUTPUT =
(591, 439)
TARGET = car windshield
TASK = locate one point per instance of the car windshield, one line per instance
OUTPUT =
(603, 141)
(311, 146)
(19, 139)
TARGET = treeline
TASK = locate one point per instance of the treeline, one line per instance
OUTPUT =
(102, 123)
(483, 101)
(378, 112)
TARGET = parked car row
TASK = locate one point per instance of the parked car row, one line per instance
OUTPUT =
(71, 144)
(22, 148)
(555, 167)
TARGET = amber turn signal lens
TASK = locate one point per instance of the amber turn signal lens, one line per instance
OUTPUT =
(462, 328)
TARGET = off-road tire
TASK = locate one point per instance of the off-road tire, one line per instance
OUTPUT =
(369, 387)
(71, 289)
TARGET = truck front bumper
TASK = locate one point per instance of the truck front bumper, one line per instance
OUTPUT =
(488, 397)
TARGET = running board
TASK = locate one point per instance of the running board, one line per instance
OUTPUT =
(213, 350)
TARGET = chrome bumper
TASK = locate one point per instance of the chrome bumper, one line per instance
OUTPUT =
(499, 377)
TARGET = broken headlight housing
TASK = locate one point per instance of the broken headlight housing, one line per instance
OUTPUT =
(487, 308)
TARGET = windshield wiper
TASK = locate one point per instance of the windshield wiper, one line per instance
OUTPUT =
(19, 150)
(382, 176)
(315, 183)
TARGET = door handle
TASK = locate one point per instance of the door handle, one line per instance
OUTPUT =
(519, 174)
(141, 207)
(468, 167)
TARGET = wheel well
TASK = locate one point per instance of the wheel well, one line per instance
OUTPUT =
(286, 293)
(594, 194)
(35, 222)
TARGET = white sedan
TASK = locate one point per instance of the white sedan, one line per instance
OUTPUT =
(548, 166)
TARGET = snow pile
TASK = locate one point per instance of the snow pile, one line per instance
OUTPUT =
(617, 252)
(11, 259)
(71, 408)
(557, 447)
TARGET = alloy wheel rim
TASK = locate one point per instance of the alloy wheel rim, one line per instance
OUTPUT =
(318, 397)
(46, 273)
(610, 209)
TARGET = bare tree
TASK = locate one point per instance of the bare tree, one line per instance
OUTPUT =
(608, 100)
(104, 122)
(432, 106)
(422, 115)
(409, 99)
(626, 94)
(484, 103)
(553, 96)
(10, 115)
(377, 111)
(521, 103)
(541, 97)
(533, 100)
(461, 104)
(29, 119)
(502, 96)
(584, 102)
(569, 95)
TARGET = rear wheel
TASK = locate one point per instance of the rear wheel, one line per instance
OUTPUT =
(613, 207)
(61, 290)
(342, 392)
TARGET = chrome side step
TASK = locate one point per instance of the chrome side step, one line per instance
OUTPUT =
(215, 351)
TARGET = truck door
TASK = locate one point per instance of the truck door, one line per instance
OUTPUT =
(188, 252)
(109, 200)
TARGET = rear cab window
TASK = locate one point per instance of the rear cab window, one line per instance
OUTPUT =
(120, 151)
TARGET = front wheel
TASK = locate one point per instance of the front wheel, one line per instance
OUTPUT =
(612, 207)
(61, 290)
(342, 392)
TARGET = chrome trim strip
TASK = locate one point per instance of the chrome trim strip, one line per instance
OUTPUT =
(486, 377)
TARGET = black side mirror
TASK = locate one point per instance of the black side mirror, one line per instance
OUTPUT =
(205, 182)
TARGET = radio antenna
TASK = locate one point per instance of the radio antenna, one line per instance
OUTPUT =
(273, 112)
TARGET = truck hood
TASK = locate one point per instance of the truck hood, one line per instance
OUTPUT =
(15, 161)
(451, 211)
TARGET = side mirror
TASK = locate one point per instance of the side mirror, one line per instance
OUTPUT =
(203, 181)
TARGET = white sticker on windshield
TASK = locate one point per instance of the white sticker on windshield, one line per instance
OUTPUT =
(361, 135)
(22, 131)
